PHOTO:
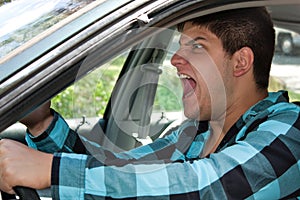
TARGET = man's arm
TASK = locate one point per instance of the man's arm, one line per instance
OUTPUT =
(47, 131)
(38, 120)
(58, 137)
(13, 173)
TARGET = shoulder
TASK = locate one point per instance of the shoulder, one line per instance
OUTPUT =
(284, 109)
(277, 119)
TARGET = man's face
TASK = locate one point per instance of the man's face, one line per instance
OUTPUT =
(203, 68)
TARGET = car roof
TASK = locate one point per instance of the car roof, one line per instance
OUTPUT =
(286, 16)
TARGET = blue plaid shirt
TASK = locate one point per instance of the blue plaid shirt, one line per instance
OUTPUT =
(257, 159)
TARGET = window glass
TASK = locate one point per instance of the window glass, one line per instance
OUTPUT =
(168, 104)
(21, 20)
(285, 70)
(89, 96)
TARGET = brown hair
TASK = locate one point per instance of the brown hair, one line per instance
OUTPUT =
(251, 27)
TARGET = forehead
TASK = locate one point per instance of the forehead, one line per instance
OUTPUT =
(191, 31)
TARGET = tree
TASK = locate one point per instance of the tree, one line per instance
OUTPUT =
(4, 2)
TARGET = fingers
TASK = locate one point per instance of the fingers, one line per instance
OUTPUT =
(12, 164)
(6, 171)
(23, 166)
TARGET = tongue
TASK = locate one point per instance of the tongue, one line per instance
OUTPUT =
(188, 86)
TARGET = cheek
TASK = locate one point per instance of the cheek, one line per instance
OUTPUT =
(204, 96)
(211, 96)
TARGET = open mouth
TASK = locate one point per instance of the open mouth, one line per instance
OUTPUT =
(188, 83)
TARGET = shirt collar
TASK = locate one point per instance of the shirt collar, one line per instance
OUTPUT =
(263, 105)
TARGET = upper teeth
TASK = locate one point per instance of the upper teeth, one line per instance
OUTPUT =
(182, 76)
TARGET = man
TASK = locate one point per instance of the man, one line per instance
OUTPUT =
(247, 144)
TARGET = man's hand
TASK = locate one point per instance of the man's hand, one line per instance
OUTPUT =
(38, 120)
(23, 166)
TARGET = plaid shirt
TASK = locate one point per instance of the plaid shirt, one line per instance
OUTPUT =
(257, 159)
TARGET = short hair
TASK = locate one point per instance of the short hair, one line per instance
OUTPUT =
(245, 27)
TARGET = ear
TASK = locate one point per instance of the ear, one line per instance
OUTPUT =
(244, 61)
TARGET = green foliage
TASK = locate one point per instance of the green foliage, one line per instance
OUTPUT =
(276, 84)
(294, 96)
(166, 100)
(90, 95)
(169, 92)
(64, 102)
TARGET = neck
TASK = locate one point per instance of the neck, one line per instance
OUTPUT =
(237, 108)
(220, 127)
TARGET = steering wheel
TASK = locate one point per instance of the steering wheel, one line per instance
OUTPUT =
(23, 192)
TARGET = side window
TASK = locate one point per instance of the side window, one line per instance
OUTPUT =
(285, 70)
(167, 103)
(89, 96)
(167, 109)
(32, 18)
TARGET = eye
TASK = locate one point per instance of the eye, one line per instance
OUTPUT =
(197, 46)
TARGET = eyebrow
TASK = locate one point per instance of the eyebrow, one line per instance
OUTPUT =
(194, 40)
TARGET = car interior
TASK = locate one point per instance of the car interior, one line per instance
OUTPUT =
(143, 93)
(130, 114)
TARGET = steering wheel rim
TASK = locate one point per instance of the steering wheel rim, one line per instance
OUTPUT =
(26, 193)
(23, 192)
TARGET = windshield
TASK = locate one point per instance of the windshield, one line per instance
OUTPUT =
(21, 20)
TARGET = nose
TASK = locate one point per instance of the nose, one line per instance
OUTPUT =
(178, 60)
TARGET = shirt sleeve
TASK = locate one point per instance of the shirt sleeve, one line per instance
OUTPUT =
(60, 138)
(258, 165)
(57, 138)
